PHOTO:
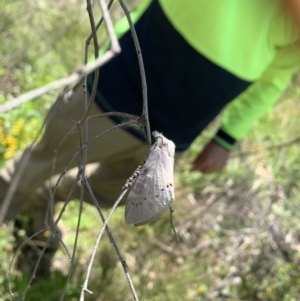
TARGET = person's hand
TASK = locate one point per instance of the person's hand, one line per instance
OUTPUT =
(212, 158)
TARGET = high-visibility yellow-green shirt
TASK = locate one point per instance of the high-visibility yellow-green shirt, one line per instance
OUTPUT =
(225, 32)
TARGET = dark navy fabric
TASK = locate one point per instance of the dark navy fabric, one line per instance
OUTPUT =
(186, 91)
(224, 136)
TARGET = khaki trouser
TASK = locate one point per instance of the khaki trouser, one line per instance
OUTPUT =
(112, 159)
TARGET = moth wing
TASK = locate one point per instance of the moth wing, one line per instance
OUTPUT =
(152, 193)
(163, 195)
(140, 191)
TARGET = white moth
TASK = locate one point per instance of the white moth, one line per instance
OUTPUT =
(152, 192)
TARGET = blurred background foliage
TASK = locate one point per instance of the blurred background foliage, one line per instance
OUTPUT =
(239, 229)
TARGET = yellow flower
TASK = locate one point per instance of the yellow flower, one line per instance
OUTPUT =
(17, 127)
(8, 155)
(11, 142)
(201, 289)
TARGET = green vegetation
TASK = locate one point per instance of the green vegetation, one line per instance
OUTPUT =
(239, 229)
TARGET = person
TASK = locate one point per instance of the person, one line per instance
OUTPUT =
(200, 57)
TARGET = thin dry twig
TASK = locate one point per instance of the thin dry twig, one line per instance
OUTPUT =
(104, 227)
(124, 124)
(51, 201)
(81, 170)
(82, 127)
(112, 240)
(58, 84)
(268, 148)
(137, 120)
(97, 26)
(142, 70)
(12, 260)
(27, 240)
(75, 76)
(40, 252)
(172, 224)
(65, 170)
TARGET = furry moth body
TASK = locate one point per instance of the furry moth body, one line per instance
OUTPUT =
(152, 192)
